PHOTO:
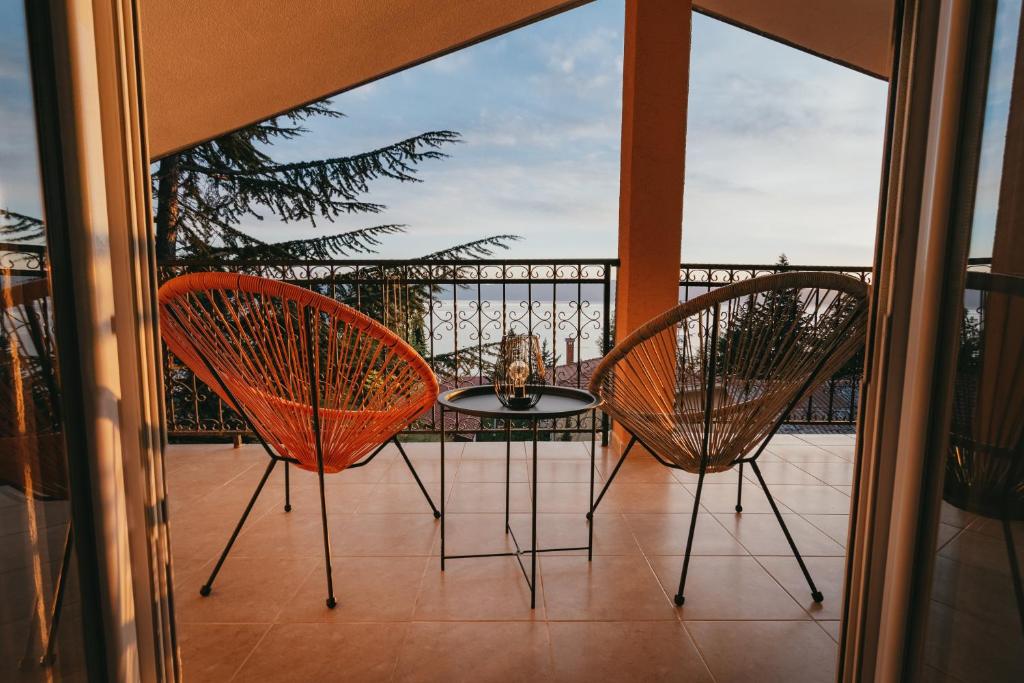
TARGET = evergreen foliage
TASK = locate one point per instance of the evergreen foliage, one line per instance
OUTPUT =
(19, 228)
(202, 194)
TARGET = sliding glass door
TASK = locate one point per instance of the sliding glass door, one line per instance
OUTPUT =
(969, 616)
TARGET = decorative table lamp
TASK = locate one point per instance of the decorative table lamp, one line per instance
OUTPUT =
(519, 374)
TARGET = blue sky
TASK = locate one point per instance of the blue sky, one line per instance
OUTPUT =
(19, 164)
(784, 149)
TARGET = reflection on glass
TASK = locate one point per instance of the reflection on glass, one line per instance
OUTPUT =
(976, 614)
(40, 625)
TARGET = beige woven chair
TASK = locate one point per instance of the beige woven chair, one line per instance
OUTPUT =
(706, 385)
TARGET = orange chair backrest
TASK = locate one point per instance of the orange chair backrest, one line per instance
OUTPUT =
(261, 337)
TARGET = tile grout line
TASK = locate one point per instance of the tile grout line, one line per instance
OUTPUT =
(245, 661)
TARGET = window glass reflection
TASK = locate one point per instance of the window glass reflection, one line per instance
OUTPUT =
(40, 625)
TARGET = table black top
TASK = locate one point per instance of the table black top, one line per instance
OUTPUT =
(554, 402)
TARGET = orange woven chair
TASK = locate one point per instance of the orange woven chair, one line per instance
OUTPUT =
(321, 385)
(705, 386)
(32, 452)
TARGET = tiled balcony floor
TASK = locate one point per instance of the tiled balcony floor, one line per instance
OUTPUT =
(748, 612)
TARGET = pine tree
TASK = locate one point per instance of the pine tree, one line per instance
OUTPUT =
(19, 228)
(201, 194)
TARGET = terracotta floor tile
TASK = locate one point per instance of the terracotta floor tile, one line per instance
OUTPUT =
(639, 468)
(837, 527)
(761, 534)
(402, 498)
(424, 451)
(489, 497)
(490, 450)
(832, 628)
(478, 589)
(722, 497)
(977, 590)
(848, 452)
(428, 471)
(190, 573)
(476, 533)
(726, 588)
(247, 590)
(199, 534)
(300, 653)
(665, 534)
(383, 534)
(622, 651)
(820, 500)
(565, 497)
(366, 588)
(626, 497)
(565, 471)
(972, 649)
(340, 493)
(946, 533)
(211, 653)
(826, 440)
(612, 536)
(782, 473)
(803, 453)
(837, 473)
(609, 588)
(473, 622)
(765, 651)
(562, 450)
(493, 471)
(475, 651)
(827, 573)
(981, 550)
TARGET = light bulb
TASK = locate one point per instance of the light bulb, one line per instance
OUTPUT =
(518, 371)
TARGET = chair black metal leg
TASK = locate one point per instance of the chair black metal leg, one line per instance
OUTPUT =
(680, 599)
(331, 602)
(437, 515)
(593, 455)
(593, 509)
(58, 599)
(1011, 550)
(288, 489)
(739, 491)
(508, 468)
(208, 586)
(815, 593)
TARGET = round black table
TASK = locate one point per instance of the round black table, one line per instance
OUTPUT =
(556, 402)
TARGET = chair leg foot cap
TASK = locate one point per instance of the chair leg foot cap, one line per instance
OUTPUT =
(204, 591)
(287, 508)
(817, 596)
(437, 515)
(331, 602)
(680, 599)
(739, 508)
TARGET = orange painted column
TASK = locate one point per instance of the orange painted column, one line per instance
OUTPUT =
(656, 72)
(655, 83)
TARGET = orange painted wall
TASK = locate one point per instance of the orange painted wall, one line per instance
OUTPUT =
(213, 66)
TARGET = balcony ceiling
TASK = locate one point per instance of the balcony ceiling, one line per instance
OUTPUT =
(213, 66)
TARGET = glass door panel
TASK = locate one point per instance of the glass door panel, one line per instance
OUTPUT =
(41, 636)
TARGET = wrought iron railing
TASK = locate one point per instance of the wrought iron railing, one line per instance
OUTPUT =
(19, 260)
(454, 311)
(835, 401)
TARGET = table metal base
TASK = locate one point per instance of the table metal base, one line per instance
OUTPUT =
(533, 550)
